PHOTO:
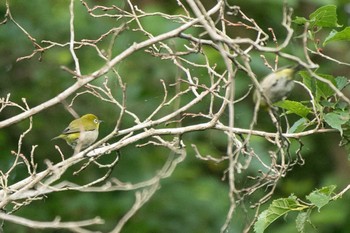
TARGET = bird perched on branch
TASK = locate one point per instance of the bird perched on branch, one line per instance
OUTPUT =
(81, 132)
(276, 86)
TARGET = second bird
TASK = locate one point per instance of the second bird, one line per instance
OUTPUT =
(276, 86)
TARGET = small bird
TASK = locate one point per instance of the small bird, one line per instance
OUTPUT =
(276, 86)
(81, 132)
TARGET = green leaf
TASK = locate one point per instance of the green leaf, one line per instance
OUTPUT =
(325, 16)
(342, 105)
(345, 141)
(294, 107)
(337, 119)
(347, 149)
(277, 209)
(301, 219)
(261, 223)
(300, 20)
(334, 35)
(323, 89)
(309, 81)
(299, 126)
(321, 197)
(319, 88)
(327, 104)
(341, 82)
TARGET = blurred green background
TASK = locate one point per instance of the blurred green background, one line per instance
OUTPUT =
(194, 198)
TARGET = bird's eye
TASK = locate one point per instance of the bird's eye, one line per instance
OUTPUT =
(96, 121)
(274, 84)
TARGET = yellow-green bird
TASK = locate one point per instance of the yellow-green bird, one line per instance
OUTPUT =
(276, 86)
(82, 131)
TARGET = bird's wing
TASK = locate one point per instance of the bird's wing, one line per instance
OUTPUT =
(70, 129)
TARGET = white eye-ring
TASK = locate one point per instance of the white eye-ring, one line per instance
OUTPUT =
(96, 121)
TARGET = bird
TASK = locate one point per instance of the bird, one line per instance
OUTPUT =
(276, 86)
(81, 132)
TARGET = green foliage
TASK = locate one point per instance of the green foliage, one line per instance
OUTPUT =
(278, 208)
(299, 125)
(320, 89)
(325, 16)
(301, 220)
(343, 35)
(342, 82)
(345, 129)
(282, 206)
(321, 197)
(336, 113)
(333, 111)
(337, 119)
(294, 107)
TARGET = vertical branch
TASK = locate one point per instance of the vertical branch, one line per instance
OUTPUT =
(72, 38)
(230, 154)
